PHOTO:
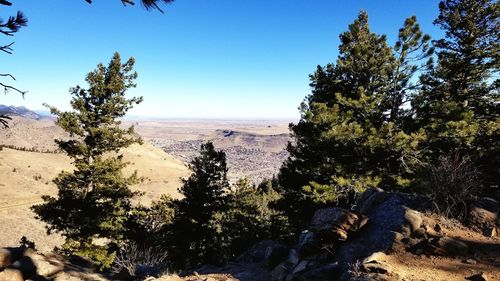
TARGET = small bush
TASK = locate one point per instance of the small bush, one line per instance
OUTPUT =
(26, 243)
(455, 181)
(141, 262)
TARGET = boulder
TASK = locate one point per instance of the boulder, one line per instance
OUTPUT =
(484, 211)
(10, 274)
(413, 218)
(46, 265)
(330, 271)
(478, 277)
(370, 199)
(451, 246)
(257, 252)
(10, 255)
(333, 224)
(377, 263)
(275, 255)
(328, 218)
(280, 272)
(308, 243)
(301, 266)
(293, 257)
(383, 232)
(26, 266)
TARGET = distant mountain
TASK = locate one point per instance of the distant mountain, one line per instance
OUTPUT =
(18, 111)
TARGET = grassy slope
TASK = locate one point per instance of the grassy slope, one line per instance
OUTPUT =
(25, 176)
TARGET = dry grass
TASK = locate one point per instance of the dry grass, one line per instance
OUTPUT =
(21, 187)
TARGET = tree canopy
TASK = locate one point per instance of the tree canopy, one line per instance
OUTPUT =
(93, 201)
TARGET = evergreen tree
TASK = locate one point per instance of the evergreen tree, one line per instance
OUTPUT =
(248, 219)
(203, 196)
(94, 200)
(351, 134)
(459, 103)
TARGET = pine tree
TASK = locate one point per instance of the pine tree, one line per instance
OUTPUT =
(93, 201)
(351, 134)
(459, 103)
(248, 219)
(203, 196)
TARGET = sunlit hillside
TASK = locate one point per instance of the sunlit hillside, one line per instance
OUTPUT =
(26, 176)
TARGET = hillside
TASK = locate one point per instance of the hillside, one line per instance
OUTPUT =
(27, 175)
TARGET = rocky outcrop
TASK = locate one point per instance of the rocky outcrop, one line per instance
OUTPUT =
(18, 264)
(342, 244)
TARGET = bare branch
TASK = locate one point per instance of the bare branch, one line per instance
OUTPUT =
(8, 88)
(8, 75)
(5, 3)
(7, 48)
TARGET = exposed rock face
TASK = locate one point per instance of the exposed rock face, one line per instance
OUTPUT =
(339, 240)
(389, 218)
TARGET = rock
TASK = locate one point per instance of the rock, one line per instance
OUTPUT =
(279, 273)
(490, 231)
(487, 203)
(333, 224)
(413, 218)
(293, 257)
(398, 244)
(329, 271)
(46, 265)
(470, 261)
(10, 255)
(257, 252)
(275, 255)
(308, 243)
(375, 277)
(452, 246)
(381, 233)
(300, 267)
(26, 266)
(370, 199)
(484, 211)
(478, 277)
(377, 263)
(11, 275)
(328, 218)
(5, 258)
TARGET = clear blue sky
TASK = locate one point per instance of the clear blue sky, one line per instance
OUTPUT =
(201, 59)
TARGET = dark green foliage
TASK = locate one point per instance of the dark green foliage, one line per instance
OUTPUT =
(94, 200)
(151, 226)
(26, 243)
(248, 219)
(352, 133)
(459, 104)
(203, 196)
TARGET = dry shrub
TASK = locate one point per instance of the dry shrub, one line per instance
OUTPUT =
(455, 181)
(140, 262)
